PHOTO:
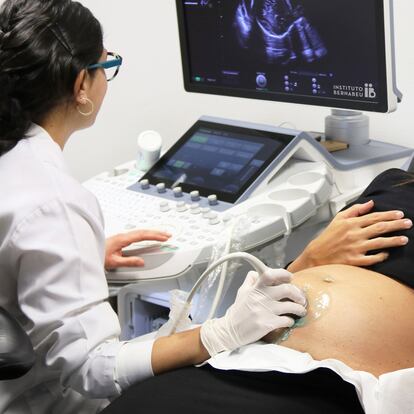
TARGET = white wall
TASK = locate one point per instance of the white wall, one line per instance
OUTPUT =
(148, 93)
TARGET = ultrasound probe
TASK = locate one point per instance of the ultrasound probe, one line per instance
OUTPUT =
(257, 265)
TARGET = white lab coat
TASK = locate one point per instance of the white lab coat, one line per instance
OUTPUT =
(52, 280)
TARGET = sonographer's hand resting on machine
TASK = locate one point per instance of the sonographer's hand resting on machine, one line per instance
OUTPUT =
(114, 245)
(351, 235)
(261, 306)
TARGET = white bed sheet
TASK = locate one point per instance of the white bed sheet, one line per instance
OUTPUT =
(391, 393)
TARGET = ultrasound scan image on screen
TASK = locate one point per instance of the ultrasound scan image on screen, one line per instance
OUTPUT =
(303, 51)
(279, 30)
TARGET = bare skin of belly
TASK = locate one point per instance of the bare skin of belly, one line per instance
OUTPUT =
(359, 317)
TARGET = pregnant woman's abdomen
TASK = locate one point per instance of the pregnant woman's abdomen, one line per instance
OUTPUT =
(359, 317)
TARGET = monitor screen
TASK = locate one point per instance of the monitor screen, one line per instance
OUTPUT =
(218, 159)
(319, 52)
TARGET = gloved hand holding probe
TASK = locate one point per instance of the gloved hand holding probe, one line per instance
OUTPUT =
(261, 306)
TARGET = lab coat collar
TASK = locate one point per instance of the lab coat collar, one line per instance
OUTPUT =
(46, 148)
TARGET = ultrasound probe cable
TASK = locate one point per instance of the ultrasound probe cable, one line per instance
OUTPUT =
(257, 265)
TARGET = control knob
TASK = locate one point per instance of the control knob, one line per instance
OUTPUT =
(195, 195)
(178, 192)
(145, 185)
(161, 188)
(212, 200)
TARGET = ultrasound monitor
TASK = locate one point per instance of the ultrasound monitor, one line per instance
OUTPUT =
(336, 53)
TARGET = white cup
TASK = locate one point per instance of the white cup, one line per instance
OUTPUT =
(149, 149)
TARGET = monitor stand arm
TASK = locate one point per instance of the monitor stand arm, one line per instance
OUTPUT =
(348, 126)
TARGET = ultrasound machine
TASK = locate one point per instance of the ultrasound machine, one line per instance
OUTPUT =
(230, 185)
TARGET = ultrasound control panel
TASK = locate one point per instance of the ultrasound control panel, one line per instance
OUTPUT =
(214, 178)
(221, 174)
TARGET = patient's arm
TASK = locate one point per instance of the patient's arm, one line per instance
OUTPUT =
(351, 235)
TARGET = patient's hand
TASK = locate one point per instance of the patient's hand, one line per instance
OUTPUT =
(351, 235)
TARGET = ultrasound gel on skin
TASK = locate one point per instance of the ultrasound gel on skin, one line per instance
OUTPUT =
(316, 308)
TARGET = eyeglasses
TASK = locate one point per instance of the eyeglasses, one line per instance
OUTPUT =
(111, 66)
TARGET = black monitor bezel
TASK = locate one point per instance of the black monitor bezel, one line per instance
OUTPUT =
(205, 192)
(381, 107)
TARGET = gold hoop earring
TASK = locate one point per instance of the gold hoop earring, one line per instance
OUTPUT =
(87, 101)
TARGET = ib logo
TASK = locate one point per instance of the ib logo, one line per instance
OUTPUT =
(370, 91)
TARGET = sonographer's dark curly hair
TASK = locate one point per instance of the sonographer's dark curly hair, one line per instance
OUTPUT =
(44, 45)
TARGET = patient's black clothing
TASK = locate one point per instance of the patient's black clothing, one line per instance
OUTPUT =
(210, 391)
(389, 192)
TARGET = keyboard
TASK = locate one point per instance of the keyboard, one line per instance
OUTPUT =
(197, 229)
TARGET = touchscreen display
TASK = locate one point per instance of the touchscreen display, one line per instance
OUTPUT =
(218, 159)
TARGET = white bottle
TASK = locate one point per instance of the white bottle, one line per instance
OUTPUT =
(149, 149)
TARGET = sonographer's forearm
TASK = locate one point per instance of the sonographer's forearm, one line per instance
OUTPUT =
(177, 351)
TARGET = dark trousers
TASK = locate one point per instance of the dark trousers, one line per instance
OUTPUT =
(209, 391)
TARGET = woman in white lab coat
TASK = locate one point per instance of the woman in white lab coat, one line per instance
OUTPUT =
(53, 79)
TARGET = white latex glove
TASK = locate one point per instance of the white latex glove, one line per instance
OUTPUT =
(257, 310)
